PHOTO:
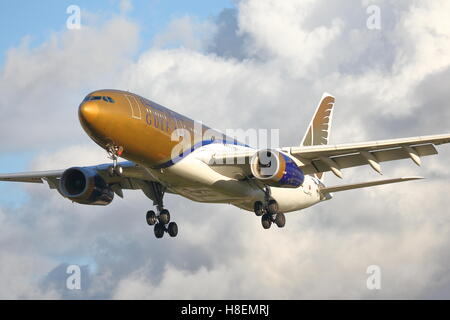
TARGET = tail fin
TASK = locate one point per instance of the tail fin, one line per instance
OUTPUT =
(318, 132)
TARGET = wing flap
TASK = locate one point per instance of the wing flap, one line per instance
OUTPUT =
(356, 159)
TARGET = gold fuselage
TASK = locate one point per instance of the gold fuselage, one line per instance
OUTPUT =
(142, 128)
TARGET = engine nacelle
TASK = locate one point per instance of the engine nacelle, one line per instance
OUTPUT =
(276, 169)
(85, 186)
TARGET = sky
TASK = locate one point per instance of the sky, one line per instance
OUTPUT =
(37, 20)
(232, 64)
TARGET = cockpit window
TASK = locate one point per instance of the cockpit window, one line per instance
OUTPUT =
(91, 98)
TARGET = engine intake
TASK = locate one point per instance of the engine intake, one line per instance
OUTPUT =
(85, 186)
(276, 169)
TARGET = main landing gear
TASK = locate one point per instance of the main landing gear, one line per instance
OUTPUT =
(162, 223)
(155, 191)
(269, 211)
(161, 219)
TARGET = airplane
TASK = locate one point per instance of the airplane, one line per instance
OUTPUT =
(167, 152)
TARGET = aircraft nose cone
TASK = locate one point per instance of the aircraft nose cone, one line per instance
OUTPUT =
(88, 112)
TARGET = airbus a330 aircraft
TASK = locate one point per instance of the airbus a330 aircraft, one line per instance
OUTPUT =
(206, 166)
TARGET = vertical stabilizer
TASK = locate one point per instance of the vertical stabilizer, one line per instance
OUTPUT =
(318, 132)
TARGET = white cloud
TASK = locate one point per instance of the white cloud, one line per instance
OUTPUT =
(75, 155)
(185, 32)
(276, 29)
(44, 85)
(125, 6)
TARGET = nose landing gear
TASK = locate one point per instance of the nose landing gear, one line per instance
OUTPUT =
(114, 152)
(269, 211)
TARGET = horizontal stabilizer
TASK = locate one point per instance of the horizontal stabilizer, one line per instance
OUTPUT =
(366, 184)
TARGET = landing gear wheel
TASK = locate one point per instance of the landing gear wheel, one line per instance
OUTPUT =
(115, 171)
(164, 217)
(114, 152)
(151, 218)
(266, 221)
(172, 229)
(118, 170)
(272, 207)
(258, 208)
(159, 230)
(280, 220)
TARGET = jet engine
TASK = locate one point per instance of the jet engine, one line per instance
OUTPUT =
(276, 169)
(85, 186)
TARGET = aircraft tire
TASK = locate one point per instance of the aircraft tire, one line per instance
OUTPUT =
(118, 171)
(151, 218)
(111, 171)
(272, 207)
(280, 220)
(172, 229)
(164, 217)
(159, 230)
(258, 208)
(266, 221)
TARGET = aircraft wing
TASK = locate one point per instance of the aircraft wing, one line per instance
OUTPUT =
(133, 177)
(323, 158)
(316, 159)
(31, 177)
